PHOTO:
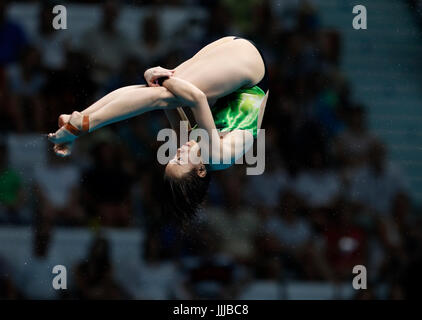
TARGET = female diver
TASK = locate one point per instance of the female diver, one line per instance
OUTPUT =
(224, 85)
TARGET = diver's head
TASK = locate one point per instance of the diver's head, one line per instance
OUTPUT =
(186, 182)
(186, 159)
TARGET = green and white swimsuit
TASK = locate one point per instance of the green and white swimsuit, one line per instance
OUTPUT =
(239, 110)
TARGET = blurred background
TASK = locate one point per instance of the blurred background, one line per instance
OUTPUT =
(343, 179)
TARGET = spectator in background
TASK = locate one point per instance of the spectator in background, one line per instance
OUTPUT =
(62, 91)
(12, 37)
(292, 238)
(140, 137)
(26, 78)
(367, 294)
(352, 145)
(8, 289)
(242, 15)
(404, 222)
(58, 191)
(307, 18)
(26, 81)
(317, 174)
(151, 47)
(51, 42)
(396, 292)
(10, 112)
(291, 231)
(156, 277)
(266, 284)
(329, 43)
(107, 187)
(234, 224)
(411, 275)
(131, 72)
(94, 276)
(209, 273)
(393, 236)
(219, 23)
(147, 198)
(264, 190)
(187, 39)
(345, 241)
(105, 45)
(40, 263)
(377, 177)
(11, 190)
(263, 26)
(329, 102)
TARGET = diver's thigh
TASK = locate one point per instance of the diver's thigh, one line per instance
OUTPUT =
(203, 52)
(230, 66)
(211, 46)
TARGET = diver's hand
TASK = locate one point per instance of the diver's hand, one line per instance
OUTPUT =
(153, 74)
(65, 149)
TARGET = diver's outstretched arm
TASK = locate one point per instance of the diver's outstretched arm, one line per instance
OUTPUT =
(194, 98)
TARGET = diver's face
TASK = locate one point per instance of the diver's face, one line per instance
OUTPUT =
(187, 158)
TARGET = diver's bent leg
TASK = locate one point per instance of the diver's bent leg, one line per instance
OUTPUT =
(132, 103)
(108, 98)
(64, 118)
(64, 150)
(227, 67)
(203, 52)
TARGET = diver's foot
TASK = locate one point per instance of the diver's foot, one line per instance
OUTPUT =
(77, 125)
(65, 149)
(63, 119)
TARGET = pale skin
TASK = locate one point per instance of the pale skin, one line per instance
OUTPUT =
(214, 72)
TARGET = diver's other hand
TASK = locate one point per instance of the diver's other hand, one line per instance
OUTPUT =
(63, 150)
(153, 74)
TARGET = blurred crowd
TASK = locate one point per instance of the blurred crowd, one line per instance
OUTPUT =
(328, 200)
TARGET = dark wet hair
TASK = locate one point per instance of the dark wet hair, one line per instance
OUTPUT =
(184, 196)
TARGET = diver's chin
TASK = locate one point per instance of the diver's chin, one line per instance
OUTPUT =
(172, 161)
